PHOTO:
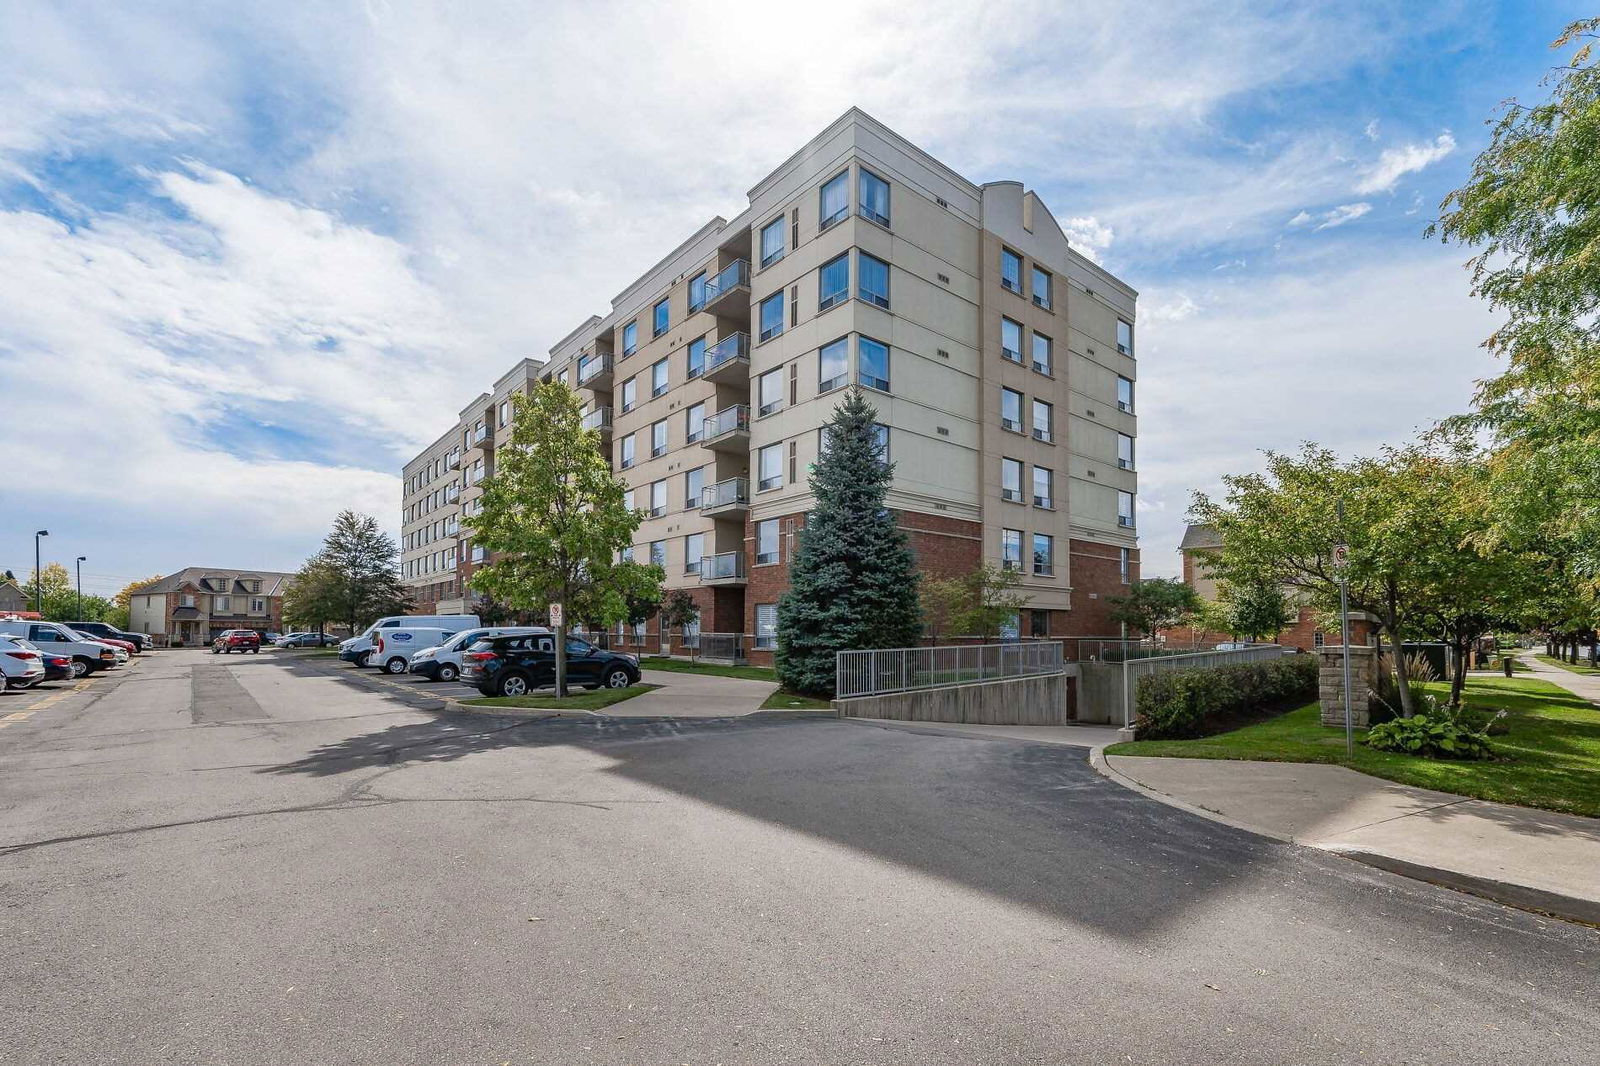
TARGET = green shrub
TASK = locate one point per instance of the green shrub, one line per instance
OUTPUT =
(1436, 733)
(1195, 703)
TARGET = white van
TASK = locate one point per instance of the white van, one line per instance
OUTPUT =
(443, 663)
(356, 649)
(392, 648)
(87, 655)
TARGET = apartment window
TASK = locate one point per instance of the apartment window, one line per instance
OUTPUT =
(874, 194)
(1124, 395)
(1125, 565)
(658, 378)
(872, 363)
(626, 456)
(1011, 340)
(1011, 410)
(1042, 361)
(1041, 287)
(697, 357)
(694, 483)
(658, 439)
(630, 389)
(659, 318)
(1317, 639)
(1011, 480)
(769, 392)
(626, 555)
(1124, 337)
(1011, 270)
(658, 498)
(1011, 549)
(694, 423)
(1043, 421)
(835, 200)
(1039, 623)
(767, 541)
(505, 412)
(872, 279)
(1044, 555)
(766, 625)
(833, 282)
(1124, 451)
(658, 555)
(833, 364)
(694, 546)
(880, 438)
(697, 292)
(1125, 509)
(630, 339)
(1044, 487)
(771, 317)
(772, 248)
(770, 467)
(221, 604)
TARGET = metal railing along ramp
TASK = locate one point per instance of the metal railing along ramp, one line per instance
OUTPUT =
(1133, 669)
(878, 671)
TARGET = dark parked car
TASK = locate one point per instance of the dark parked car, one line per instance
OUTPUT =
(237, 640)
(306, 640)
(514, 666)
(57, 667)
(101, 631)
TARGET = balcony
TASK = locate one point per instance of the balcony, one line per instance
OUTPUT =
(453, 461)
(483, 438)
(726, 499)
(728, 430)
(724, 569)
(728, 292)
(598, 420)
(728, 360)
(594, 372)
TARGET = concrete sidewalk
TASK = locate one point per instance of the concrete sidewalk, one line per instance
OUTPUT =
(1077, 736)
(1529, 858)
(1584, 686)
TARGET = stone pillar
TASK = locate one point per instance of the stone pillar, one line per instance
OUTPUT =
(1330, 683)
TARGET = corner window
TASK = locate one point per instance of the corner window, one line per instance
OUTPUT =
(660, 317)
(1043, 487)
(1011, 270)
(1043, 421)
(1125, 509)
(1011, 340)
(1042, 361)
(1124, 451)
(874, 192)
(630, 338)
(833, 359)
(1125, 566)
(1041, 287)
(1044, 555)
(872, 362)
(833, 282)
(697, 357)
(835, 200)
(697, 292)
(769, 392)
(880, 438)
(771, 318)
(658, 378)
(1124, 395)
(658, 553)
(770, 467)
(1011, 480)
(1011, 549)
(767, 541)
(1011, 410)
(1124, 337)
(772, 248)
(872, 279)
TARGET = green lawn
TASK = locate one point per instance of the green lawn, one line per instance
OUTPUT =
(684, 666)
(1580, 667)
(1551, 755)
(596, 700)
(790, 701)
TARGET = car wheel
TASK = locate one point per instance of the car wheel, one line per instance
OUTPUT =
(513, 685)
(396, 665)
(216, 651)
(80, 668)
(448, 672)
(618, 678)
(255, 651)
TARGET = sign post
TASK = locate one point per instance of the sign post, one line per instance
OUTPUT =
(558, 622)
(1341, 564)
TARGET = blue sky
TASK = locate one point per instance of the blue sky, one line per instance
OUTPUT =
(251, 260)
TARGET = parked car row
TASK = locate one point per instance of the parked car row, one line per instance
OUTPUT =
(84, 652)
(305, 640)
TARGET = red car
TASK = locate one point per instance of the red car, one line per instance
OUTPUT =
(237, 640)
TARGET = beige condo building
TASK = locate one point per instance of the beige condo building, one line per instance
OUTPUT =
(1000, 360)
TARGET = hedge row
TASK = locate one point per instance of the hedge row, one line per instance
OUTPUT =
(1195, 703)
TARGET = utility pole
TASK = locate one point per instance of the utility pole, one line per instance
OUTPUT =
(38, 574)
(81, 559)
(1341, 563)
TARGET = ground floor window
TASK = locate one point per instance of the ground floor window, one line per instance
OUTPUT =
(766, 625)
(1039, 623)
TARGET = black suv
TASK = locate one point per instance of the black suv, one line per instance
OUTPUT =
(516, 665)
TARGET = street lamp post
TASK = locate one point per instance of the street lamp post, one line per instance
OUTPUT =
(81, 560)
(38, 574)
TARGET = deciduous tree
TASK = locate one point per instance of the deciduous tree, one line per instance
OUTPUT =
(1155, 604)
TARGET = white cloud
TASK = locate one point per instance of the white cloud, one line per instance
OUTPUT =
(1396, 163)
(1342, 214)
(1088, 235)
(1371, 132)
(1301, 218)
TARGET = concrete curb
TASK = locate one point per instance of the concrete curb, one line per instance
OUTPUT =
(1523, 897)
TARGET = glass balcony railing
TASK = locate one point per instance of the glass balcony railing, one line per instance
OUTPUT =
(734, 276)
(728, 350)
(591, 367)
(734, 492)
(728, 566)
(728, 420)
(598, 419)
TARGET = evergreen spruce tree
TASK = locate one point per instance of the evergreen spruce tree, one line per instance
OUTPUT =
(853, 581)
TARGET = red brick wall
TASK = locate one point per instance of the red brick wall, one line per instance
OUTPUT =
(1096, 577)
(1302, 634)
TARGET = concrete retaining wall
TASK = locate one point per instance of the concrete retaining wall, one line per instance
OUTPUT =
(1045, 700)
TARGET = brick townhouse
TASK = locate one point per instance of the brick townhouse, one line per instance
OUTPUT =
(1000, 360)
(198, 602)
